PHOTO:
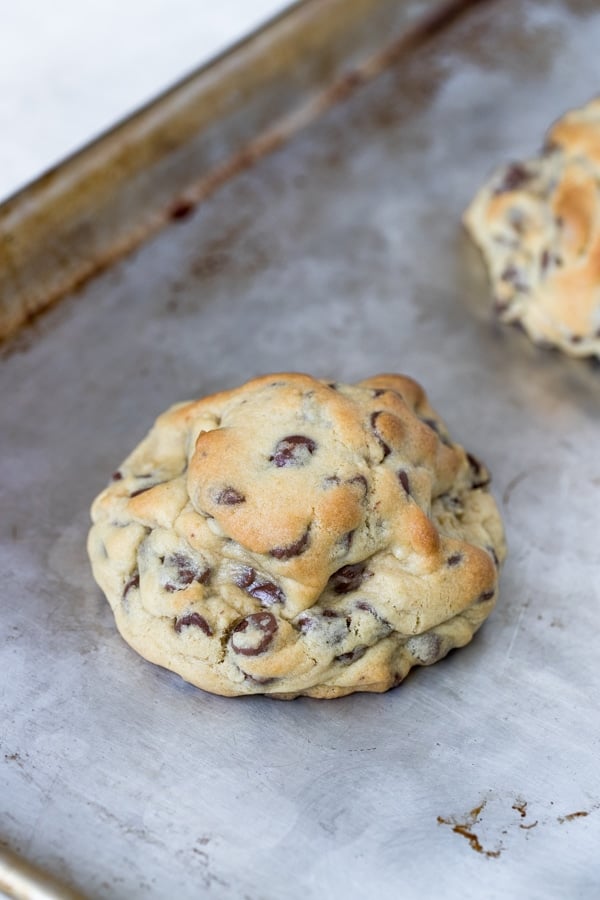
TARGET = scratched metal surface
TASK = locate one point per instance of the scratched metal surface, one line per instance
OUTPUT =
(341, 255)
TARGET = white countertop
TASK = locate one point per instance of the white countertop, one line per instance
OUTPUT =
(70, 69)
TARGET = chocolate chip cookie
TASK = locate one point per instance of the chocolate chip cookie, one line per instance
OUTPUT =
(538, 226)
(294, 536)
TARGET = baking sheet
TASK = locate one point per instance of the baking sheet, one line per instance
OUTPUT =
(341, 255)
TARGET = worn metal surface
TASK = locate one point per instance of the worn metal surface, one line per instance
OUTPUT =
(341, 254)
(80, 217)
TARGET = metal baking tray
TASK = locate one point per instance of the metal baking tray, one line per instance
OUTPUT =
(342, 254)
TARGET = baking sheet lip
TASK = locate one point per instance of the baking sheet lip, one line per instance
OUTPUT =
(112, 132)
(89, 162)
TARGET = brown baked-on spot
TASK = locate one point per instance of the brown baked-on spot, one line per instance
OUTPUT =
(134, 582)
(266, 592)
(454, 559)
(404, 481)
(487, 595)
(195, 620)
(515, 177)
(348, 578)
(259, 629)
(188, 571)
(384, 446)
(292, 550)
(229, 497)
(293, 450)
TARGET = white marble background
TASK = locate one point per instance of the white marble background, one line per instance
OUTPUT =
(71, 68)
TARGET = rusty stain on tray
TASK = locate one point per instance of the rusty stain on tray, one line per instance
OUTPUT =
(465, 830)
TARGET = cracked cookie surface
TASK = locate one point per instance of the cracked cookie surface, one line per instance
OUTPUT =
(538, 226)
(295, 536)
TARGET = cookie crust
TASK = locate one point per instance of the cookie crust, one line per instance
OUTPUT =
(295, 536)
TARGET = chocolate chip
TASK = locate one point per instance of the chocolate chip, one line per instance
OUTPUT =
(454, 559)
(481, 478)
(141, 491)
(266, 592)
(134, 582)
(384, 446)
(258, 629)
(494, 555)
(116, 476)
(345, 541)
(366, 607)
(194, 619)
(576, 339)
(188, 571)
(377, 392)
(306, 623)
(361, 480)
(512, 275)
(487, 595)
(330, 614)
(229, 497)
(348, 578)
(331, 481)
(403, 479)
(293, 450)
(515, 177)
(431, 423)
(352, 656)
(545, 260)
(292, 550)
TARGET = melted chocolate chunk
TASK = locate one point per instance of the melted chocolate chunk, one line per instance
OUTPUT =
(134, 582)
(188, 571)
(384, 446)
(266, 592)
(293, 450)
(454, 560)
(352, 656)
(259, 630)
(515, 177)
(348, 578)
(229, 497)
(330, 614)
(403, 479)
(194, 619)
(292, 549)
